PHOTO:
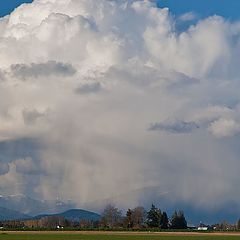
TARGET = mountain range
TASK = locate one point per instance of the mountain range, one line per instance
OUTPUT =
(74, 215)
(23, 207)
(33, 207)
(7, 214)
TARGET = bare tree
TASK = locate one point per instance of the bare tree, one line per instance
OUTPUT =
(139, 215)
(111, 216)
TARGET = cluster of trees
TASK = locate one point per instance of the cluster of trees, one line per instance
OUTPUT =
(238, 224)
(138, 218)
(225, 226)
(113, 218)
(48, 222)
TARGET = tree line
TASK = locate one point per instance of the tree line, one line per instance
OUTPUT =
(112, 218)
(138, 218)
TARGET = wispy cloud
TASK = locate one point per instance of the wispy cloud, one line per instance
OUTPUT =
(36, 70)
(189, 16)
(89, 88)
(174, 127)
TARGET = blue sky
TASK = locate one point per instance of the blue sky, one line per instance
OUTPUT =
(227, 8)
(7, 6)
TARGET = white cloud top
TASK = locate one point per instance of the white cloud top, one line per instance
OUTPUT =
(85, 79)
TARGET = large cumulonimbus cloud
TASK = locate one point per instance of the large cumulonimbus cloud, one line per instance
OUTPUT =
(82, 83)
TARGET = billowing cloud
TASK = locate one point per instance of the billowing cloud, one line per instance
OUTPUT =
(82, 81)
(224, 128)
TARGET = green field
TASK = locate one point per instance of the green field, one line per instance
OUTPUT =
(6, 236)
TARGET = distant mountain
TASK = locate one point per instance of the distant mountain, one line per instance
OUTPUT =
(74, 215)
(166, 201)
(7, 214)
(26, 206)
(32, 207)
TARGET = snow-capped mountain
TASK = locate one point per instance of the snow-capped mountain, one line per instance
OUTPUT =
(32, 207)
(7, 214)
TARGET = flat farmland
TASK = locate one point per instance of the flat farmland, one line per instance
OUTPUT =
(115, 236)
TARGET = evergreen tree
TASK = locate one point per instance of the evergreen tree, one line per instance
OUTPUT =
(154, 217)
(174, 220)
(238, 224)
(129, 218)
(178, 220)
(183, 220)
(164, 221)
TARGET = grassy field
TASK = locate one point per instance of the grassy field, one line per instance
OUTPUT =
(109, 236)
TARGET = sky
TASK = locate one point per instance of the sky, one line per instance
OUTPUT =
(108, 101)
(203, 8)
(7, 7)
